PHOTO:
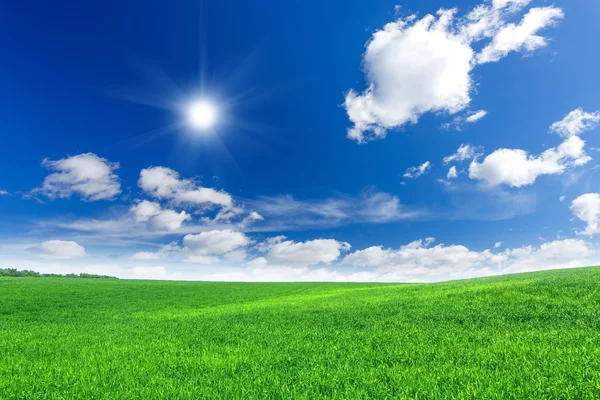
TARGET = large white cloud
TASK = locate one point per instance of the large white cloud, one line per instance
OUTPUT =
(575, 122)
(419, 65)
(165, 183)
(416, 255)
(412, 67)
(516, 168)
(587, 208)
(288, 252)
(61, 249)
(207, 247)
(87, 175)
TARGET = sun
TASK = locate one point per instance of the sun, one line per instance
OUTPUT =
(202, 114)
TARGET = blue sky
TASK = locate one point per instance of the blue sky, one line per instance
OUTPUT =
(326, 160)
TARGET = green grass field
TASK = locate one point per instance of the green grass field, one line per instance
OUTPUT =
(528, 336)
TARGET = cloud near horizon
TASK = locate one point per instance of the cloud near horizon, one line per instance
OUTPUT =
(322, 260)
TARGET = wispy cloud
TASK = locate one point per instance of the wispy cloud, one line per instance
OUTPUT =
(370, 206)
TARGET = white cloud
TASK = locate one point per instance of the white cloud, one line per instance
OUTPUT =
(575, 122)
(285, 212)
(415, 255)
(145, 210)
(521, 37)
(415, 172)
(158, 218)
(164, 251)
(418, 262)
(452, 173)
(561, 198)
(224, 215)
(464, 152)
(459, 121)
(168, 220)
(207, 247)
(165, 183)
(497, 245)
(251, 218)
(476, 116)
(287, 252)
(61, 249)
(87, 175)
(414, 66)
(516, 168)
(587, 208)
(3, 192)
(268, 243)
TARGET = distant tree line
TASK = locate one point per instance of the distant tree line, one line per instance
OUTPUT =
(32, 274)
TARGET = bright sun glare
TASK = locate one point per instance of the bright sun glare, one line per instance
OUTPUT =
(202, 114)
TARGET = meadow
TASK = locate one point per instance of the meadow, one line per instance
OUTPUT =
(526, 336)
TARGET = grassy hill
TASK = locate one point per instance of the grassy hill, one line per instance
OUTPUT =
(528, 336)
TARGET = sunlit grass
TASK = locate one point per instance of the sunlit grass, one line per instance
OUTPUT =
(529, 336)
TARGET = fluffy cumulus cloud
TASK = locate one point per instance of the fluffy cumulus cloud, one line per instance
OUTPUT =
(516, 168)
(87, 175)
(208, 247)
(419, 65)
(61, 249)
(587, 208)
(165, 183)
(417, 255)
(575, 122)
(279, 251)
(157, 218)
(415, 172)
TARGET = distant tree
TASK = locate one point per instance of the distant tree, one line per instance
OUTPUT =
(12, 272)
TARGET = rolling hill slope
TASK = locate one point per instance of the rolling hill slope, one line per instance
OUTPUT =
(533, 335)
